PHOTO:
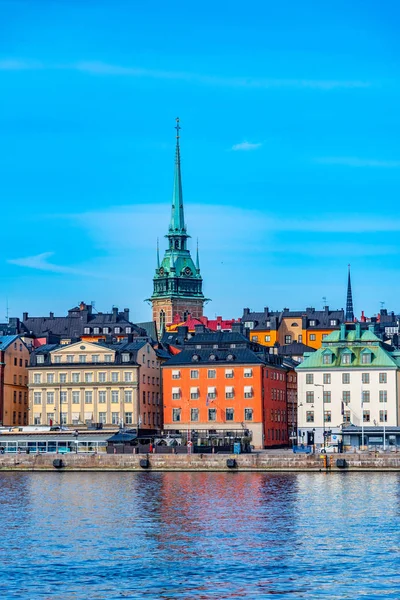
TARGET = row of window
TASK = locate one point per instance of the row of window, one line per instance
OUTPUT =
(365, 378)
(106, 330)
(278, 415)
(212, 414)
(116, 419)
(20, 397)
(346, 416)
(346, 396)
(212, 373)
(75, 397)
(85, 358)
(153, 396)
(76, 377)
(19, 418)
(229, 374)
(21, 362)
(211, 393)
(21, 380)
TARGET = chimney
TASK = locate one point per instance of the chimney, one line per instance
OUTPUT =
(51, 315)
(326, 309)
(183, 331)
(246, 311)
(358, 330)
(342, 331)
(114, 314)
(25, 316)
(82, 306)
(126, 314)
(237, 328)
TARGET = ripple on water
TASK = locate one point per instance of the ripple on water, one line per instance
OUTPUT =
(105, 536)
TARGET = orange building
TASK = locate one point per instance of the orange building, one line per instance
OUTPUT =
(309, 326)
(222, 381)
(14, 359)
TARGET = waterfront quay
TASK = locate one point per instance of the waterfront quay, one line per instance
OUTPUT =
(258, 461)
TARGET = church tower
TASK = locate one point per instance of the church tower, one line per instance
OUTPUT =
(177, 282)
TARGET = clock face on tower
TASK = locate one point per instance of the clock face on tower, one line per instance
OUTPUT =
(162, 271)
(188, 271)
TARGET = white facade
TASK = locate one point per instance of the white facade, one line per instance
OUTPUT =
(358, 396)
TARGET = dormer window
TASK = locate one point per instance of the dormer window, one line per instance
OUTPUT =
(230, 357)
(327, 359)
(106, 330)
(268, 324)
(312, 323)
(195, 358)
(366, 356)
(128, 329)
(346, 357)
(125, 357)
(86, 330)
(117, 330)
(96, 330)
(40, 359)
(250, 324)
(333, 322)
(213, 357)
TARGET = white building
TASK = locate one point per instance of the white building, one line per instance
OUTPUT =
(352, 381)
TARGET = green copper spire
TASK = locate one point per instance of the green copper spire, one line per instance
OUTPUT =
(177, 225)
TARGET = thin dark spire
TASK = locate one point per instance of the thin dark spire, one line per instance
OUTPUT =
(349, 302)
(177, 216)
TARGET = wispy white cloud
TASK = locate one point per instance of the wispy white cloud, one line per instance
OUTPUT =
(246, 146)
(14, 64)
(41, 262)
(106, 69)
(355, 161)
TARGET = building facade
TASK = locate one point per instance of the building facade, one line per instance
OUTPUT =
(14, 360)
(353, 380)
(177, 284)
(87, 382)
(81, 322)
(309, 327)
(222, 381)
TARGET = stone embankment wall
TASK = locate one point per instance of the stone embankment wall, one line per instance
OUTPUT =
(196, 462)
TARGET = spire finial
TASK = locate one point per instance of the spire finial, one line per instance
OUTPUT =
(178, 128)
(349, 302)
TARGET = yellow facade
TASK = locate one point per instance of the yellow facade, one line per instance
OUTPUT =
(82, 383)
(265, 337)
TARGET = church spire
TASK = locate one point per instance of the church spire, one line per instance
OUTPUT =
(177, 225)
(349, 302)
(158, 255)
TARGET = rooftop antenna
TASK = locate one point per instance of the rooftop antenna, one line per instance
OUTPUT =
(382, 303)
(324, 301)
(7, 310)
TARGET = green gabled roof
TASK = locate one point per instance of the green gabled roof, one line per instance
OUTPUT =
(380, 358)
(351, 336)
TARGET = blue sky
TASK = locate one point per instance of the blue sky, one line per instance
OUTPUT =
(290, 155)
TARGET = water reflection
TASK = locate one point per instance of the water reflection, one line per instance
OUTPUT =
(199, 535)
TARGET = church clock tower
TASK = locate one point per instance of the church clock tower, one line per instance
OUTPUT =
(177, 282)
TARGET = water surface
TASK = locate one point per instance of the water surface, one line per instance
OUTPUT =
(199, 535)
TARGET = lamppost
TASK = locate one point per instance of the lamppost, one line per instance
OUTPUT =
(384, 422)
(323, 410)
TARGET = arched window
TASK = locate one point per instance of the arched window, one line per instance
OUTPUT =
(162, 320)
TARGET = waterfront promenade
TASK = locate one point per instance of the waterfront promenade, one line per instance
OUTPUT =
(259, 461)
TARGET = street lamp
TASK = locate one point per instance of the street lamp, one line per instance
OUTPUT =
(323, 410)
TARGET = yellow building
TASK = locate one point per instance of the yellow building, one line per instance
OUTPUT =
(309, 326)
(87, 382)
